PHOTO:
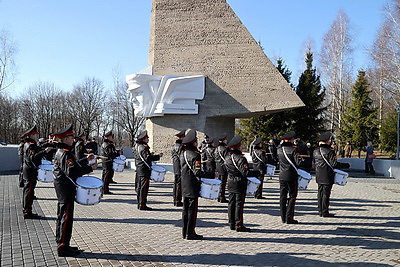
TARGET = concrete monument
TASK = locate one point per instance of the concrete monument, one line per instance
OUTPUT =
(193, 39)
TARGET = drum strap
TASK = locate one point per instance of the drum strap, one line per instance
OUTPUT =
(140, 155)
(320, 151)
(72, 181)
(187, 162)
(258, 157)
(234, 163)
(219, 153)
(287, 158)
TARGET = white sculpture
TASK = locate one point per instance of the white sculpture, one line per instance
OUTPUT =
(154, 95)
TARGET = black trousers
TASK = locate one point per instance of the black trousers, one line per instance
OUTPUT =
(369, 168)
(28, 194)
(235, 209)
(142, 191)
(107, 176)
(177, 190)
(324, 194)
(258, 193)
(223, 179)
(189, 215)
(288, 195)
(65, 218)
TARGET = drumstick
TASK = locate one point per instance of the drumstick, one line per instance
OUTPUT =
(97, 156)
(304, 156)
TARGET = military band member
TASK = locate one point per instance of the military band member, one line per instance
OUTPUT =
(80, 149)
(66, 171)
(33, 155)
(219, 155)
(260, 160)
(288, 178)
(143, 163)
(21, 163)
(191, 173)
(109, 153)
(207, 156)
(176, 152)
(325, 162)
(238, 170)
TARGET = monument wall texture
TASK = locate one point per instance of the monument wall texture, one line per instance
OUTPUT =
(205, 37)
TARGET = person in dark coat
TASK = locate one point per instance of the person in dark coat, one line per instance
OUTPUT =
(176, 163)
(80, 150)
(66, 171)
(21, 163)
(238, 170)
(143, 163)
(207, 157)
(325, 162)
(219, 155)
(108, 153)
(288, 178)
(33, 155)
(260, 161)
(92, 146)
(191, 173)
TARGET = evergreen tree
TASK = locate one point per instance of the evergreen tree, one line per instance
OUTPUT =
(359, 122)
(388, 133)
(308, 120)
(267, 126)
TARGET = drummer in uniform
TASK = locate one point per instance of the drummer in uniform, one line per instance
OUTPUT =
(325, 161)
(143, 163)
(32, 156)
(288, 177)
(238, 170)
(108, 153)
(219, 155)
(260, 160)
(21, 162)
(176, 152)
(66, 171)
(191, 173)
(207, 156)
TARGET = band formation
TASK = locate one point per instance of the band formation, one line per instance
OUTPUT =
(208, 170)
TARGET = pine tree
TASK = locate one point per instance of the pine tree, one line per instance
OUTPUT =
(308, 120)
(267, 126)
(359, 122)
(388, 133)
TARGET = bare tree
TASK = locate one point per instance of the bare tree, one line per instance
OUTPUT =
(8, 69)
(336, 62)
(10, 129)
(86, 102)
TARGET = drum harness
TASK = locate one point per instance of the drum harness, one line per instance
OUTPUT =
(259, 157)
(325, 159)
(291, 163)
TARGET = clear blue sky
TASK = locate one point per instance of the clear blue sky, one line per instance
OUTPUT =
(65, 41)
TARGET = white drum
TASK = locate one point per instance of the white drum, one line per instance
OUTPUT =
(118, 165)
(304, 179)
(270, 170)
(93, 161)
(45, 173)
(89, 190)
(340, 177)
(121, 157)
(157, 173)
(46, 162)
(210, 188)
(252, 185)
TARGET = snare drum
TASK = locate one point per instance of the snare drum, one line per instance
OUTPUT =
(46, 162)
(340, 177)
(157, 173)
(252, 185)
(304, 179)
(118, 165)
(121, 157)
(89, 190)
(210, 188)
(45, 173)
(270, 170)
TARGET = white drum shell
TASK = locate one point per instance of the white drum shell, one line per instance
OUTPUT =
(157, 173)
(340, 177)
(118, 165)
(252, 185)
(270, 170)
(45, 173)
(89, 190)
(304, 179)
(210, 188)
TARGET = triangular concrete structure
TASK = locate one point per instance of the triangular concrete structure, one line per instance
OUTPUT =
(205, 37)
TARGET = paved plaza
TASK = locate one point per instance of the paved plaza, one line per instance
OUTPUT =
(364, 232)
